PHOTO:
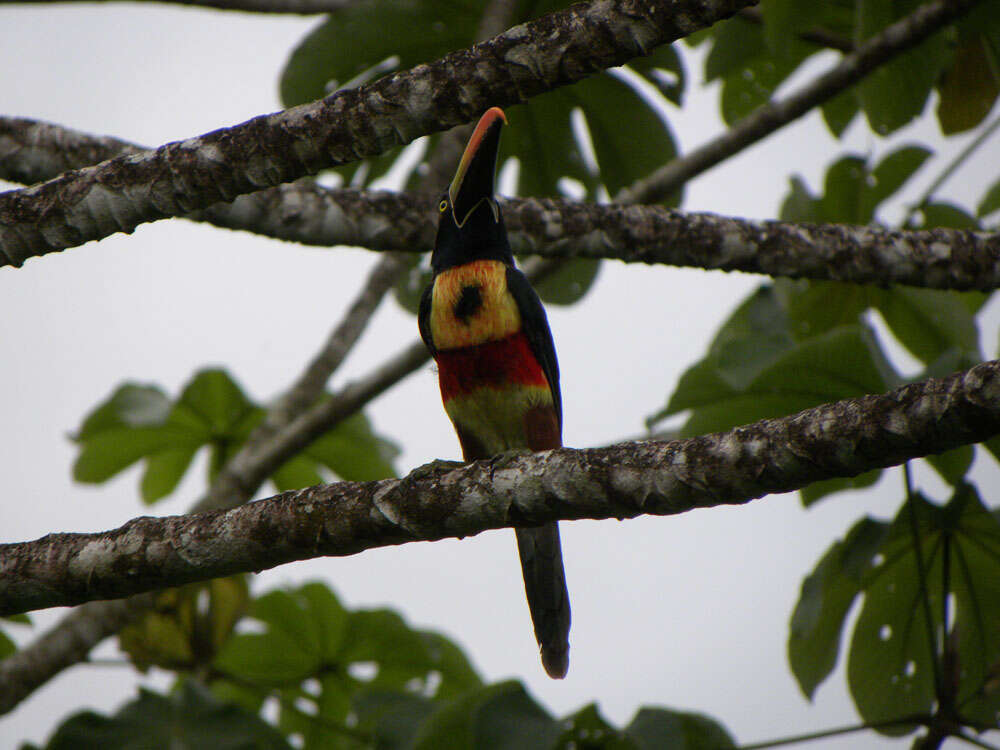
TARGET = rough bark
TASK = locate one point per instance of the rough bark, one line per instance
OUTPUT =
(380, 220)
(177, 178)
(841, 439)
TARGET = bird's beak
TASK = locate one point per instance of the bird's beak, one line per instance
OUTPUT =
(474, 179)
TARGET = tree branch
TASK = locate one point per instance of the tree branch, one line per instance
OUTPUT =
(177, 178)
(845, 438)
(873, 52)
(401, 222)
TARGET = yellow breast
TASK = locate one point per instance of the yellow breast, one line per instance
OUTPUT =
(470, 305)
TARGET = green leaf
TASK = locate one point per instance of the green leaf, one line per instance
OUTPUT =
(895, 169)
(800, 204)
(630, 138)
(652, 728)
(953, 465)
(354, 452)
(889, 668)
(189, 718)
(104, 454)
(568, 283)
(990, 201)
(130, 405)
(844, 191)
(164, 471)
(295, 474)
(588, 726)
(818, 490)
(929, 322)
(497, 716)
(968, 88)
(824, 601)
(783, 21)
(737, 43)
(840, 111)
(896, 92)
(393, 718)
(309, 635)
(942, 214)
(217, 399)
(854, 189)
(356, 38)
(663, 68)
(540, 136)
(842, 363)
(750, 72)
(188, 625)
(7, 646)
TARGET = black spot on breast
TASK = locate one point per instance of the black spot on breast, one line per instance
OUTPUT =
(469, 302)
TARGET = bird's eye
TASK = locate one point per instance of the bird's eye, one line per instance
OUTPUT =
(442, 206)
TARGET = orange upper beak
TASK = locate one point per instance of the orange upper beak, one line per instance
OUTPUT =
(476, 172)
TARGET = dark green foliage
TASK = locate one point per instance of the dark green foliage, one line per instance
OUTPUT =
(890, 663)
(139, 422)
(7, 645)
(188, 625)
(827, 594)
(753, 59)
(190, 718)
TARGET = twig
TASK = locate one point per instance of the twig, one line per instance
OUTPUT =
(950, 169)
(914, 719)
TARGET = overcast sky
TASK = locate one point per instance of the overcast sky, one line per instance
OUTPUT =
(689, 612)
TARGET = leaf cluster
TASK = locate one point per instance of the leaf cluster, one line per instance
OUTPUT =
(357, 679)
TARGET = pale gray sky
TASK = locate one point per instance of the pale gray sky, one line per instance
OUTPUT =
(689, 612)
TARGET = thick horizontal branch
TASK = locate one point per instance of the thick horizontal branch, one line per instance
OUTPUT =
(175, 179)
(381, 220)
(308, 213)
(845, 438)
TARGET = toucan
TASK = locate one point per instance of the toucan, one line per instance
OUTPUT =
(487, 331)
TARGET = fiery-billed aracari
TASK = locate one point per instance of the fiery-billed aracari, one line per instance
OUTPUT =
(487, 331)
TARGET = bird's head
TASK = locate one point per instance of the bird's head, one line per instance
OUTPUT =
(470, 225)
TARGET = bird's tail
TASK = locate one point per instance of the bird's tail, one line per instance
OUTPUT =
(548, 599)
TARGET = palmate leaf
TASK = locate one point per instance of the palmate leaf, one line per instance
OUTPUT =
(140, 423)
(854, 188)
(756, 369)
(969, 88)
(353, 656)
(895, 93)
(814, 634)
(189, 718)
(654, 727)
(889, 666)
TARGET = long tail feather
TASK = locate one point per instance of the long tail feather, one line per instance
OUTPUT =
(548, 599)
